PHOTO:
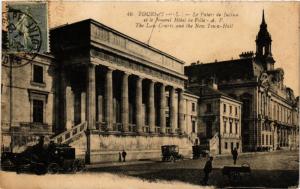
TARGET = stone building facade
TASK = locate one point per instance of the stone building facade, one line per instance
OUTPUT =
(219, 118)
(270, 111)
(191, 116)
(103, 93)
(27, 101)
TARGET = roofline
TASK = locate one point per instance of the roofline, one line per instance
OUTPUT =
(232, 99)
(218, 62)
(123, 35)
(220, 96)
(191, 95)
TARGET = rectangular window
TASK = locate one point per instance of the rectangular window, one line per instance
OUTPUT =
(230, 109)
(224, 108)
(224, 126)
(226, 145)
(38, 74)
(237, 145)
(236, 111)
(208, 108)
(262, 139)
(209, 129)
(38, 111)
(267, 139)
(231, 146)
(236, 128)
(193, 107)
(193, 126)
(230, 127)
(270, 139)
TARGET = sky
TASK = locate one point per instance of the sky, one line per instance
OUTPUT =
(203, 44)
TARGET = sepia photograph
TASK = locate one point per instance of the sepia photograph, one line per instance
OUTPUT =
(150, 94)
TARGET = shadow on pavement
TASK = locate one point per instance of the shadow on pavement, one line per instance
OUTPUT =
(257, 178)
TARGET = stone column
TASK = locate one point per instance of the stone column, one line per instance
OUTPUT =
(151, 108)
(281, 137)
(162, 109)
(91, 97)
(125, 102)
(138, 103)
(62, 103)
(69, 108)
(109, 99)
(172, 111)
(83, 106)
(100, 109)
(181, 111)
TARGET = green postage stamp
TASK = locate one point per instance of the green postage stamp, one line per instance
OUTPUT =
(27, 27)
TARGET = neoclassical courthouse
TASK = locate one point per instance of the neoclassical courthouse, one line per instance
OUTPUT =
(103, 92)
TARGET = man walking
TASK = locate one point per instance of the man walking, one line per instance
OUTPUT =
(124, 155)
(207, 169)
(234, 155)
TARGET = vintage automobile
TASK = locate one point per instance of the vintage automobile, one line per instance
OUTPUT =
(41, 160)
(200, 151)
(171, 153)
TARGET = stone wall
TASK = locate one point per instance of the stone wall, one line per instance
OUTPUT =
(106, 148)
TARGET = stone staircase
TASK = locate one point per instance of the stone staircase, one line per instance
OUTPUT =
(70, 135)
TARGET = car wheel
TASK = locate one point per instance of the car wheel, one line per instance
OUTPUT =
(80, 166)
(53, 168)
(40, 169)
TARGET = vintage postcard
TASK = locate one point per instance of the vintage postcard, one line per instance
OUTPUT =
(142, 95)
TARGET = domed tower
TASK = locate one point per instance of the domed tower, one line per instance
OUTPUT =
(263, 46)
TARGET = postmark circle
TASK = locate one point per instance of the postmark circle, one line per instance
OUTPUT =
(23, 38)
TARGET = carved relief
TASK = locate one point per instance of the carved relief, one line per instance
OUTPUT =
(264, 80)
(135, 66)
(102, 35)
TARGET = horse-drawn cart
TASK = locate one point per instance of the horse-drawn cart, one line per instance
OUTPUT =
(234, 172)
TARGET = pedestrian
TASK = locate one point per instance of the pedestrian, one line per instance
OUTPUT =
(207, 169)
(124, 155)
(120, 157)
(234, 155)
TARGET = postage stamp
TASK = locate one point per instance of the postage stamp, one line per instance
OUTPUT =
(26, 32)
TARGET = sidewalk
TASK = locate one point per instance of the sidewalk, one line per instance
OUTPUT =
(252, 153)
(149, 161)
(115, 164)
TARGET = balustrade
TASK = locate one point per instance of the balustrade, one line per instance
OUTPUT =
(68, 135)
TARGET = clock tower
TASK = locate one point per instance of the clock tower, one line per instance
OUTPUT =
(263, 46)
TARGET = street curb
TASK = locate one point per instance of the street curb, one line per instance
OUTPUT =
(116, 164)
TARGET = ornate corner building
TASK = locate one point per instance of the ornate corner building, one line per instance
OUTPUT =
(219, 118)
(102, 92)
(270, 111)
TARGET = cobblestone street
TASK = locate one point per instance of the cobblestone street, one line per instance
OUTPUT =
(269, 170)
(275, 170)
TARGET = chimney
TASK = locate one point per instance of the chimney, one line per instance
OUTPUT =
(248, 54)
(212, 83)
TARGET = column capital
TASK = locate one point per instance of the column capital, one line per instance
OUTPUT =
(140, 77)
(162, 84)
(110, 69)
(126, 73)
(90, 65)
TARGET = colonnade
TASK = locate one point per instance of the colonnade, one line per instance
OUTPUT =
(176, 114)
